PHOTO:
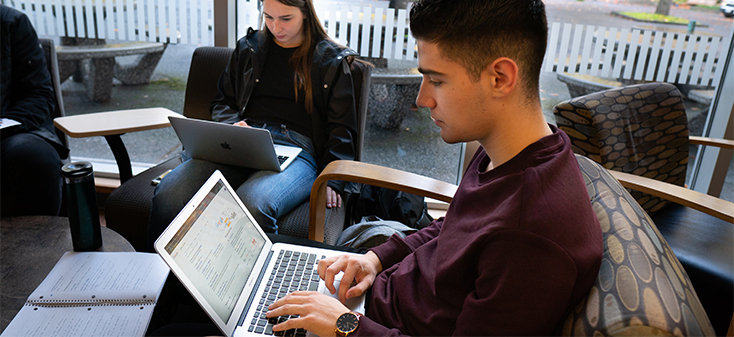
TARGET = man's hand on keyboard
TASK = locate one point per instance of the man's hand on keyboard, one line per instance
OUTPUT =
(316, 312)
(359, 269)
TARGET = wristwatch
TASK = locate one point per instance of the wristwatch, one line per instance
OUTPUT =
(347, 323)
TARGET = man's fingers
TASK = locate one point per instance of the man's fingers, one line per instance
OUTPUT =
(359, 288)
(291, 323)
(296, 297)
(346, 283)
(330, 274)
(323, 265)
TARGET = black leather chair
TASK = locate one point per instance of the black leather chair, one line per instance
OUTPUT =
(643, 130)
(128, 207)
(52, 64)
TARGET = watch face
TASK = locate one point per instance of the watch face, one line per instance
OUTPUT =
(347, 322)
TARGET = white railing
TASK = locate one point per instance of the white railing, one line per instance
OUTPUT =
(171, 21)
(367, 27)
(373, 30)
(635, 54)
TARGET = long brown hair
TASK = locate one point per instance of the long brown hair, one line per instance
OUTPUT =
(302, 58)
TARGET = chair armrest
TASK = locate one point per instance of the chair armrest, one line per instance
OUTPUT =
(710, 205)
(114, 122)
(359, 172)
(722, 143)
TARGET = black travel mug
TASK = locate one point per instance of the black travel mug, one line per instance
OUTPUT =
(81, 196)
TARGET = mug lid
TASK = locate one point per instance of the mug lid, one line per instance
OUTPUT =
(76, 169)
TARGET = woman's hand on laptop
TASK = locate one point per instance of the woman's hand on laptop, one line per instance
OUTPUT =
(333, 198)
(241, 123)
(317, 312)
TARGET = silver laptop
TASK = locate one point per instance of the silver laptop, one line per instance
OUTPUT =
(228, 264)
(232, 145)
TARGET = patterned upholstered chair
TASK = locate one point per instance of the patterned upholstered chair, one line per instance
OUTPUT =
(639, 129)
(642, 130)
(642, 290)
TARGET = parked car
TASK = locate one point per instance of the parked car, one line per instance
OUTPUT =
(727, 7)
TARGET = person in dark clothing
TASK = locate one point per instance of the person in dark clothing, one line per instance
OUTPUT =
(293, 80)
(520, 244)
(31, 151)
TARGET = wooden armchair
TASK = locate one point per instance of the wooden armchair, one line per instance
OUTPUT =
(369, 174)
(616, 305)
(646, 317)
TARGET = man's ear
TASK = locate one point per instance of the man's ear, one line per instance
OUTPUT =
(503, 75)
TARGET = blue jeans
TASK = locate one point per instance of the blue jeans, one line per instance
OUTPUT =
(268, 195)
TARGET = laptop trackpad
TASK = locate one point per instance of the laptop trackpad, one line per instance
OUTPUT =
(354, 304)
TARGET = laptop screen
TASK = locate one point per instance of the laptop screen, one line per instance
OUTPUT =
(217, 247)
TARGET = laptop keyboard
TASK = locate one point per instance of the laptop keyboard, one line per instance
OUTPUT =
(292, 271)
(282, 159)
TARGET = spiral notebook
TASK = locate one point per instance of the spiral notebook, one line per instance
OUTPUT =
(93, 294)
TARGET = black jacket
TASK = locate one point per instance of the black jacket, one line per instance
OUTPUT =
(26, 92)
(334, 119)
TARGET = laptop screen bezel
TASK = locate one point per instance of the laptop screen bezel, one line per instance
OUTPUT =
(230, 325)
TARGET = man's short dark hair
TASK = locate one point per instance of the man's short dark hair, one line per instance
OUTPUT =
(474, 33)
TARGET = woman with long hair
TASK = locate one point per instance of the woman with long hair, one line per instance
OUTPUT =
(293, 80)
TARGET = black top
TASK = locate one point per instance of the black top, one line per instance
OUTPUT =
(274, 99)
(334, 118)
(26, 91)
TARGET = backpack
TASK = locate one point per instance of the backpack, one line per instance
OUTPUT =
(372, 231)
(384, 203)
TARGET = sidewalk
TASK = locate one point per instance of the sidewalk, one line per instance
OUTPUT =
(415, 147)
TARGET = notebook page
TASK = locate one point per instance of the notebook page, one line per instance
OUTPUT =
(128, 320)
(103, 277)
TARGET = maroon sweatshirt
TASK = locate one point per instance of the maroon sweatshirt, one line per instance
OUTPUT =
(519, 246)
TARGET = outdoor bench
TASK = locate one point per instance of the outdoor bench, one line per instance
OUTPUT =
(392, 93)
(98, 66)
(580, 85)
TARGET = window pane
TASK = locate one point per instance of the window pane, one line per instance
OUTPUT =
(166, 89)
(416, 146)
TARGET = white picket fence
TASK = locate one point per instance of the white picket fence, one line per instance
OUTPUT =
(373, 30)
(190, 22)
(635, 54)
(180, 21)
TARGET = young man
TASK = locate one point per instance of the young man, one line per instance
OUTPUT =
(520, 244)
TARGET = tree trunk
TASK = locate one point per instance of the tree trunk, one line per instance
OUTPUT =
(663, 7)
(398, 4)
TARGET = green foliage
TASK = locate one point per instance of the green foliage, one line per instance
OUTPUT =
(170, 83)
(652, 17)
